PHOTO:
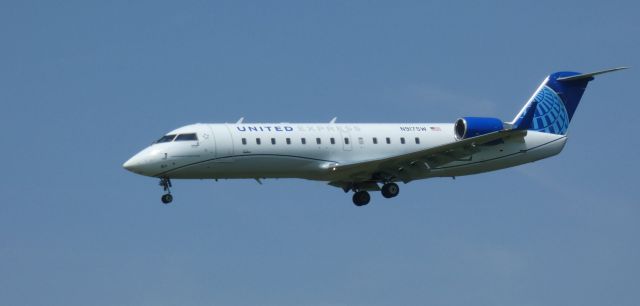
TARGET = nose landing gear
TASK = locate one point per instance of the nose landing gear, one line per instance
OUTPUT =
(167, 198)
(166, 185)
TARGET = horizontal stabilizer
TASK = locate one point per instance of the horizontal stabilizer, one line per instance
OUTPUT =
(589, 75)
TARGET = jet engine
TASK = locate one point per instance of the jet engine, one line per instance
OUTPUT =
(467, 127)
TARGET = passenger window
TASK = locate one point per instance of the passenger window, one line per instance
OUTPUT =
(273, 141)
(166, 138)
(333, 140)
(402, 140)
(318, 141)
(303, 140)
(244, 141)
(257, 141)
(375, 140)
(288, 141)
(417, 140)
(187, 137)
(346, 140)
(388, 140)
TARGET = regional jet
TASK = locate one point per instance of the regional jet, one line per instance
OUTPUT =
(365, 157)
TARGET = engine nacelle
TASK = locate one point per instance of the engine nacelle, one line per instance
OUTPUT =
(475, 126)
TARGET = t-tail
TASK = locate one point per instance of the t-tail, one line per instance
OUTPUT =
(554, 103)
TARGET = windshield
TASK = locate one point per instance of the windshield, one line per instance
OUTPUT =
(166, 138)
(185, 137)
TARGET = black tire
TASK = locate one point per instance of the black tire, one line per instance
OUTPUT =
(167, 198)
(361, 198)
(390, 190)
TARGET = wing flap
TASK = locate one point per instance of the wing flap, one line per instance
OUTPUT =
(400, 165)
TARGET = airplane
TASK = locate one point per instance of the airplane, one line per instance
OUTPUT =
(364, 157)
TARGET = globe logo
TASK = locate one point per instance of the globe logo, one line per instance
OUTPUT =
(550, 115)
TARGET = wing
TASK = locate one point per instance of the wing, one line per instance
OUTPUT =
(399, 166)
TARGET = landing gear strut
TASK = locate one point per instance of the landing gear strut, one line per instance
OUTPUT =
(361, 198)
(166, 185)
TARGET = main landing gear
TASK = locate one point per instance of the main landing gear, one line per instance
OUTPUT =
(166, 185)
(361, 197)
(388, 190)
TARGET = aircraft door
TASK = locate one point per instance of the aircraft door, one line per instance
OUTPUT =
(224, 142)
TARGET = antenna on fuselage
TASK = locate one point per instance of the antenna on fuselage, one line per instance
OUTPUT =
(333, 120)
(240, 120)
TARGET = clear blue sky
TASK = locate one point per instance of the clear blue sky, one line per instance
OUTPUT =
(84, 85)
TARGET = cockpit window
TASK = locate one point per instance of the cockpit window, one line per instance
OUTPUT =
(187, 137)
(166, 138)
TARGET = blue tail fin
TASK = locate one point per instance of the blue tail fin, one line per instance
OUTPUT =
(555, 102)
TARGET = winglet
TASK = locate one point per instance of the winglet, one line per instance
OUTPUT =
(333, 120)
(589, 75)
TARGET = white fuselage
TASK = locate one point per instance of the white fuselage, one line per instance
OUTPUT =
(309, 151)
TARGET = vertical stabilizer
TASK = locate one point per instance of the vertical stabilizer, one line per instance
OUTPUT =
(556, 101)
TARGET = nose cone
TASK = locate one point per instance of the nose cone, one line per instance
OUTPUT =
(134, 164)
(146, 162)
(140, 163)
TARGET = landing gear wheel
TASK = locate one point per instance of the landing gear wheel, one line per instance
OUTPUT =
(167, 198)
(166, 185)
(390, 190)
(361, 198)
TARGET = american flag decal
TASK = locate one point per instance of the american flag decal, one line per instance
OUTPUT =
(435, 128)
